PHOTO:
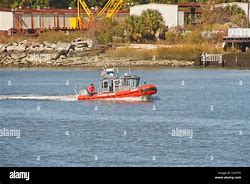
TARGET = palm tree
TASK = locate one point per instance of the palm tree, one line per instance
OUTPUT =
(237, 15)
(153, 21)
(134, 28)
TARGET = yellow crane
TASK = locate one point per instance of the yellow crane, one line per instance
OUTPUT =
(81, 6)
(111, 7)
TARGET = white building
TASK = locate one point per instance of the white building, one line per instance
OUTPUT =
(170, 13)
(6, 20)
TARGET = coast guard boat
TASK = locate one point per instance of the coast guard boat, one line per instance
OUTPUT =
(112, 86)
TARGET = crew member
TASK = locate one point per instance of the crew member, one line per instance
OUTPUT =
(91, 89)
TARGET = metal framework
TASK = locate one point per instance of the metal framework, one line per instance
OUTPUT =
(81, 5)
(111, 7)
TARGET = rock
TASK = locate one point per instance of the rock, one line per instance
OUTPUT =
(53, 46)
(20, 48)
(62, 46)
(47, 44)
(90, 43)
(18, 56)
(35, 45)
(40, 48)
(2, 48)
(78, 49)
(153, 58)
(27, 48)
(63, 57)
(96, 59)
(72, 53)
(48, 49)
(81, 43)
(10, 48)
(24, 42)
(15, 43)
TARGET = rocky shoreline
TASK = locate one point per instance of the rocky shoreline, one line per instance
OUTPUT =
(79, 52)
(25, 60)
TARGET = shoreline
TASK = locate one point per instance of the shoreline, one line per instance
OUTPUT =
(100, 60)
(81, 53)
(83, 68)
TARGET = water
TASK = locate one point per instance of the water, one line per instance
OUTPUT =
(57, 130)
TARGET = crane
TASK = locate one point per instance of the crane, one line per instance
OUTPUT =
(81, 6)
(111, 7)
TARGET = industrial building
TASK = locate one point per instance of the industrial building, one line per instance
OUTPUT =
(238, 38)
(171, 16)
(192, 11)
(6, 19)
(56, 19)
(32, 20)
(44, 19)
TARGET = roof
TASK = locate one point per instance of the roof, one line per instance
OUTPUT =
(153, 4)
(191, 4)
(5, 9)
(54, 11)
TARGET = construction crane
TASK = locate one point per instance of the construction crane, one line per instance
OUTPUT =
(111, 7)
(81, 6)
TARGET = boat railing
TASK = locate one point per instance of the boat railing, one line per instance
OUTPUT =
(83, 92)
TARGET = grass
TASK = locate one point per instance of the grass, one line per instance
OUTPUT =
(56, 36)
(131, 52)
(180, 52)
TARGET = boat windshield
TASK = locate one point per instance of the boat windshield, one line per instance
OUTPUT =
(132, 82)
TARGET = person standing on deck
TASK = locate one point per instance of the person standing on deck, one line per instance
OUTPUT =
(91, 90)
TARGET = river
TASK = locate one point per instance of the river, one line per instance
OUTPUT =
(198, 118)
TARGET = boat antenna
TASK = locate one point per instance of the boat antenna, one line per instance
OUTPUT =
(129, 69)
(75, 90)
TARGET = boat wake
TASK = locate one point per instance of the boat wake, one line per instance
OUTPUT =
(37, 97)
(71, 98)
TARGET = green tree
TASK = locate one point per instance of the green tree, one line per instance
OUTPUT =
(145, 26)
(107, 30)
(153, 21)
(59, 3)
(237, 15)
(134, 28)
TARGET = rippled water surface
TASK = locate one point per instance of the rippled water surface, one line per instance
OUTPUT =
(57, 130)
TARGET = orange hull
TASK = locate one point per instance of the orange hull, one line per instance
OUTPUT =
(142, 91)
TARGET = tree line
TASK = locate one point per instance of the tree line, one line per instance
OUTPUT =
(91, 3)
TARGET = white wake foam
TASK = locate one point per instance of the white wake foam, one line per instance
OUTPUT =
(34, 97)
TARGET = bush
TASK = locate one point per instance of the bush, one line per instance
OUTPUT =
(108, 30)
